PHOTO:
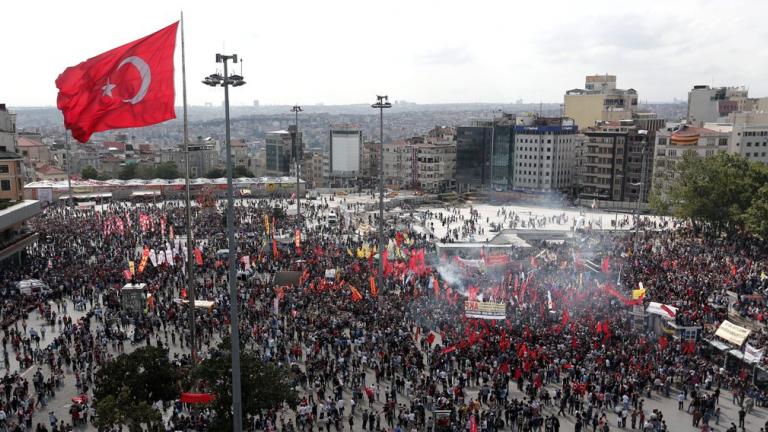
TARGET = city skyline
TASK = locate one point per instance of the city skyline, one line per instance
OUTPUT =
(426, 52)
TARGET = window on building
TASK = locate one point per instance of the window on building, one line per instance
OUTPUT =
(722, 142)
(749, 144)
(748, 154)
(4, 169)
(5, 185)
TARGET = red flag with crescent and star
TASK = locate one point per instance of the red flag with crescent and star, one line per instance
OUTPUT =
(129, 86)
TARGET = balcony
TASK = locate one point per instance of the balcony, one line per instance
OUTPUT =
(17, 243)
(18, 213)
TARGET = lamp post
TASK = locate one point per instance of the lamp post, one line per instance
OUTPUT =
(381, 103)
(296, 110)
(234, 81)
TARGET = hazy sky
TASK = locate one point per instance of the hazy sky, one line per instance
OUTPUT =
(339, 52)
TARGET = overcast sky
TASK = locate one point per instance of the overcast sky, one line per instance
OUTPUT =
(341, 52)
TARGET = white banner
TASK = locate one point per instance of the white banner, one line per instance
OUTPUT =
(752, 354)
(485, 310)
(732, 333)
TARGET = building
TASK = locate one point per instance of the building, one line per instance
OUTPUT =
(49, 172)
(674, 142)
(709, 104)
(616, 159)
(484, 154)
(544, 154)
(425, 163)
(749, 134)
(278, 153)
(15, 234)
(345, 152)
(599, 101)
(240, 153)
(11, 177)
(8, 135)
(32, 149)
(312, 169)
(369, 160)
(202, 157)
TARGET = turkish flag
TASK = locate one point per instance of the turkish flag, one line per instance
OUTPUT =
(129, 86)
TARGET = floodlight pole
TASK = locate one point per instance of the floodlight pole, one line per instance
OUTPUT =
(381, 103)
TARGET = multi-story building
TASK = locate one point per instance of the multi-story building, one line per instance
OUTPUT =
(345, 151)
(8, 134)
(616, 159)
(240, 153)
(709, 104)
(11, 177)
(544, 156)
(278, 153)
(484, 154)
(202, 157)
(674, 142)
(312, 169)
(749, 135)
(599, 101)
(32, 149)
(369, 160)
(426, 163)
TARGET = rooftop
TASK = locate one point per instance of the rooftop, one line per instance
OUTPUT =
(29, 142)
(9, 155)
(49, 170)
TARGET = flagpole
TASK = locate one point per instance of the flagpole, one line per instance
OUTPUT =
(190, 267)
(69, 172)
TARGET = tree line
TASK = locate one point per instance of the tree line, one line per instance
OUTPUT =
(165, 170)
(724, 193)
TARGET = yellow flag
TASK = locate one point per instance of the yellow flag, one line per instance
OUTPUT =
(266, 224)
(131, 267)
(638, 293)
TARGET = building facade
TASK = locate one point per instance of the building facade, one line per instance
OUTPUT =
(673, 143)
(11, 177)
(544, 154)
(8, 135)
(599, 101)
(709, 104)
(278, 153)
(202, 158)
(345, 151)
(420, 163)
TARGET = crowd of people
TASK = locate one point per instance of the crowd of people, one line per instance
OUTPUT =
(400, 355)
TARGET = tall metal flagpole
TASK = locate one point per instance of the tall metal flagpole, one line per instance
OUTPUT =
(190, 266)
(69, 172)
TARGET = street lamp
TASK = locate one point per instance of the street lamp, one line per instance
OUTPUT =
(234, 81)
(296, 154)
(381, 103)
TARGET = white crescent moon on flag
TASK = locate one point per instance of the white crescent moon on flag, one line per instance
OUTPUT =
(144, 72)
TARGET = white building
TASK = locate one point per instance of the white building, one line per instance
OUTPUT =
(674, 142)
(709, 104)
(545, 153)
(345, 149)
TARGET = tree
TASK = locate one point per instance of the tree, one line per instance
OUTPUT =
(756, 218)
(128, 171)
(145, 172)
(264, 386)
(126, 387)
(167, 171)
(242, 171)
(715, 190)
(214, 173)
(89, 173)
